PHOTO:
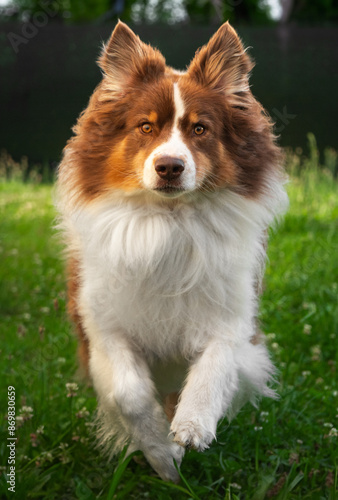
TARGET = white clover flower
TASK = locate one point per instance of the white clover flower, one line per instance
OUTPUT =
(271, 336)
(83, 413)
(26, 412)
(47, 456)
(328, 424)
(72, 389)
(307, 329)
(235, 486)
(64, 451)
(333, 432)
(72, 386)
(258, 428)
(306, 373)
(316, 352)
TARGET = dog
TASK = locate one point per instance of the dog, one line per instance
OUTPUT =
(166, 192)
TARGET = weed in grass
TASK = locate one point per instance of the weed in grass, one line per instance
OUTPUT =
(285, 449)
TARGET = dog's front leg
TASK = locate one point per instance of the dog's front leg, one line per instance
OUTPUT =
(122, 380)
(209, 390)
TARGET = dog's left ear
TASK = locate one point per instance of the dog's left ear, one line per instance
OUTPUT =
(223, 63)
(126, 59)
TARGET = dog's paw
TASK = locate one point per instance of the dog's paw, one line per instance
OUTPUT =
(161, 458)
(192, 433)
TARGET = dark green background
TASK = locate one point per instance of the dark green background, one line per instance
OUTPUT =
(48, 82)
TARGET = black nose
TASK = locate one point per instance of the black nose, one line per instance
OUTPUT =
(169, 168)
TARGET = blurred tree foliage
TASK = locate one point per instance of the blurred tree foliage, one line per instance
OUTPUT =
(250, 11)
(314, 11)
(74, 10)
(170, 11)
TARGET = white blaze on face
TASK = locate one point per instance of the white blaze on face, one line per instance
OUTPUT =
(175, 148)
(179, 105)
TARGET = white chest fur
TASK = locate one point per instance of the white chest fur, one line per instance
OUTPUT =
(170, 277)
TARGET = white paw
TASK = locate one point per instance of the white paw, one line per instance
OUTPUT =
(161, 458)
(192, 433)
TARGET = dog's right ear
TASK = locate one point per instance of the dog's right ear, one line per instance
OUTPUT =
(126, 58)
(223, 64)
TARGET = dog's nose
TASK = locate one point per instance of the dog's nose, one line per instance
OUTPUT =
(169, 168)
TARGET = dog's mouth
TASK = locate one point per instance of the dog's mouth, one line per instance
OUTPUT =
(169, 190)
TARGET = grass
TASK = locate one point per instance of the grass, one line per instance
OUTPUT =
(286, 449)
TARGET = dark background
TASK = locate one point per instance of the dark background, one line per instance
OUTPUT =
(45, 85)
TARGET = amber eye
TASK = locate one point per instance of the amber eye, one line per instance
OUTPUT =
(199, 129)
(146, 128)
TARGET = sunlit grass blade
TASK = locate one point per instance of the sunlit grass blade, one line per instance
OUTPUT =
(118, 473)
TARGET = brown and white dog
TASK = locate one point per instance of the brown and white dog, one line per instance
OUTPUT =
(166, 192)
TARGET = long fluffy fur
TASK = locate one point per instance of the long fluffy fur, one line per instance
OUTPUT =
(165, 291)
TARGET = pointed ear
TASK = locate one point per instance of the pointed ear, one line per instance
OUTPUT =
(223, 63)
(125, 56)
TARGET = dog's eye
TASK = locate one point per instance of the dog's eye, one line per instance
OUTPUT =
(199, 129)
(146, 128)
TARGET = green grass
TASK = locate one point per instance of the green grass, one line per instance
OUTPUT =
(286, 449)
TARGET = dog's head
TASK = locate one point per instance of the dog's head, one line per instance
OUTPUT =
(150, 127)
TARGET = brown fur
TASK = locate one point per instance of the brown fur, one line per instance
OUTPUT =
(169, 404)
(72, 308)
(237, 149)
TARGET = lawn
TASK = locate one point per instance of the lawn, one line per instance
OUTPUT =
(285, 449)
